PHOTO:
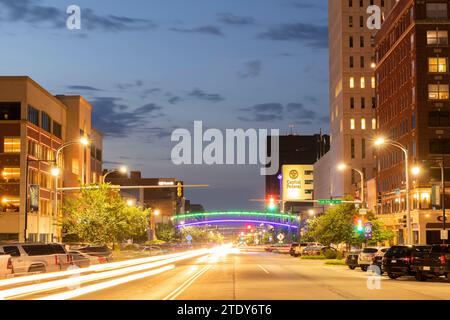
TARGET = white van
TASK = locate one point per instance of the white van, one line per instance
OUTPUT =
(36, 257)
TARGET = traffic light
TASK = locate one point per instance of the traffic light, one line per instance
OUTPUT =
(405, 221)
(271, 203)
(359, 226)
(179, 189)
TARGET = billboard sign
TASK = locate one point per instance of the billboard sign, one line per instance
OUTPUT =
(34, 197)
(296, 184)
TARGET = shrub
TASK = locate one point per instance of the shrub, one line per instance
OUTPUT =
(330, 254)
(336, 262)
(313, 258)
(130, 247)
(154, 242)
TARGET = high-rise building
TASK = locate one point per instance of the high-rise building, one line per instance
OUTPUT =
(352, 97)
(33, 125)
(412, 50)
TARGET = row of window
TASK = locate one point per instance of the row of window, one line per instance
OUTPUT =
(362, 62)
(11, 145)
(353, 148)
(362, 82)
(362, 103)
(43, 120)
(363, 124)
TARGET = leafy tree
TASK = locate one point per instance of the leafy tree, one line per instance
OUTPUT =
(166, 232)
(100, 216)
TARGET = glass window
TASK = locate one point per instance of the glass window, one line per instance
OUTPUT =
(363, 82)
(11, 145)
(9, 111)
(374, 124)
(439, 119)
(437, 11)
(437, 37)
(33, 115)
(352, 124)
(437, 64)
(438, 91)
(57, 129)
(11, 174)
(439, 146)
(46, 122)
(373, 82)
(352, 82)
(363, 124)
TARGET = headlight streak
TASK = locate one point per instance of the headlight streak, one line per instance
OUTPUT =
(93, 268)
(57, 284)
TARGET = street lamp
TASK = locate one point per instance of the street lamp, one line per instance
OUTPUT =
(152, 229)
(342, 167)
(56, 171)
(382, 141)
(122, 170)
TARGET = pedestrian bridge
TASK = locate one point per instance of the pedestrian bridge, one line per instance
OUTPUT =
(236, 218)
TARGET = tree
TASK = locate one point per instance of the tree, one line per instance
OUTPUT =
(166, 232)
(100, 216)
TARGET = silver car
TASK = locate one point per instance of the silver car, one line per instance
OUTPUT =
(365, 258)
(36, 257)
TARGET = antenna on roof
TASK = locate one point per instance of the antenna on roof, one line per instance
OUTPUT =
(291, 128)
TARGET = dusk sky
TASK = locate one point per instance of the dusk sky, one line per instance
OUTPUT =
(151, 66)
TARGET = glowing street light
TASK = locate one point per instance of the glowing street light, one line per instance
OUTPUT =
(415, 171)
(343, 167)
(311, 212)
(122, 170)
(55, 171)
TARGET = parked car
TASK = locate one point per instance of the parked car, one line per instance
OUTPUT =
(433, 263)
(397, 261)
(365, 258)
(279, 247)
(5, 265)
(352, 259)
(98, 251)
(303, 245)
(37, 257)
(292, 249)
(377, 261)
(84, 260)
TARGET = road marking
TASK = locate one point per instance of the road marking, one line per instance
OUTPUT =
(263, 269)
(187, 283)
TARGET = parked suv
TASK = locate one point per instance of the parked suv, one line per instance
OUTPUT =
(434, 263)
(365, 258)
(36, 257)
(292, 248)
(397, 261)
(352, 259)
(5, 265)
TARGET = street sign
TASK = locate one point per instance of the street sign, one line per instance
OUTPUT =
(280, 237)
(444, 234)
(189, 238)
(368, 230)
(397, 191)
(329, 201)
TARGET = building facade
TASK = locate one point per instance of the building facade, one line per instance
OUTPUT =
(352, 97)
(413, 77)
(33, 125)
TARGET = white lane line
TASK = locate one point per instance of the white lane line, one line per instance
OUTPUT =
(105, 285)
(263, 269)
(187, 283)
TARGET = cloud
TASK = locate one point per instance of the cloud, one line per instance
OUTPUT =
(130, 85)
(83, 88)
(33, 12)
(303, 5)
(263, 113)
(209, 30)
(313, 36)
(276, 112)
(201, 95)
(115, 119)
(231, 19)
(252, 69)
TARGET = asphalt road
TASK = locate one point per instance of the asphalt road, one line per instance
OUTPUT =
(269, 276)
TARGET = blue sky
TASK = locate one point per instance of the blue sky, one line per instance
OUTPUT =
(150, 66)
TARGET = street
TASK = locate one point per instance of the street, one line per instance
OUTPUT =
(242, 275)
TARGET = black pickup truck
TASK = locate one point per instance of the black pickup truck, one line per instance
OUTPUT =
(397, 260)
(434, 263)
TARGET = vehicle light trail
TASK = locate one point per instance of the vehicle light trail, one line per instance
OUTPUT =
(94, 268)
(74, 281)
(105, 285)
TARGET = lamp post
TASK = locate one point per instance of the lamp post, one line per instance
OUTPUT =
(122, 170)
(152, 229)
(56, 171)
(380, 142)
(342, 167)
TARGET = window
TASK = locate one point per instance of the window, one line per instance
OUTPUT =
(374, 124)
(361, 22)
(11, 145)
(352, 103)
(439, 146)
(362, 62)
(352, 124)
(363, 82)
(373, 82)
(57, 130)
(363, 103)
(33, 115)
(361, 41)
(350, 42)
(363, 124)
(437, 65)
(439, 119)
(351, 62)
(363, 148)
(309, 182)
(350, 3)
(352, 145)
(438, 91)
(437, 37)
(46, 122)
(374, 102)
(309, 191)
(437, 11)
(11, 174)
(350, 21)
(352, 82)
(309, 172)
(9, 111)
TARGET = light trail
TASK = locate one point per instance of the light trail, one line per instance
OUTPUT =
(105, 285)
(191, 224)
(75, 281)
(94, 268)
